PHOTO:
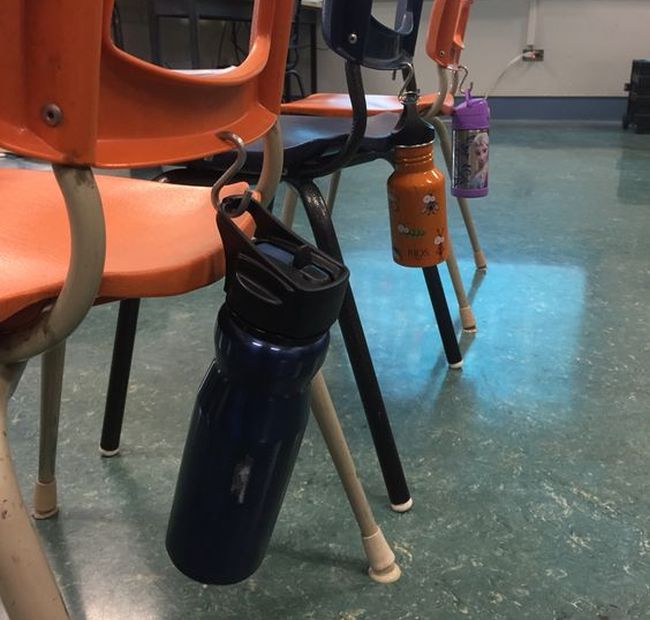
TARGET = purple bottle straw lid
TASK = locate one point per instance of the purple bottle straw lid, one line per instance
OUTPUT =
(473, 113)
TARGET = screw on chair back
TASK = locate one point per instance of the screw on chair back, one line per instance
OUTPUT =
(78, 99)
(446, 32)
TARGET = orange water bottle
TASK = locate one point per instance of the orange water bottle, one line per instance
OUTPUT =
(416, 195)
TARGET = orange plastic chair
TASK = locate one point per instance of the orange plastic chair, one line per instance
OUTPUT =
(444, 44)
(72, 98)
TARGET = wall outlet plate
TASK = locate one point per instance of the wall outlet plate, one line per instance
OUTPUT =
(532, 55)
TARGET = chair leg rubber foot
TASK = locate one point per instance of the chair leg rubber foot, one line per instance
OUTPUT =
(479, 261)
(107, 454)
(383, 568)
(467, 319)
(45, 500)
(456, 365)
(404, 507)
(389, 575)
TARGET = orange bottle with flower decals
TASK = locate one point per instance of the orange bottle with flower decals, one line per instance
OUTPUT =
(417, 208)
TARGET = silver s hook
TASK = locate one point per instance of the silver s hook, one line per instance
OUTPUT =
(465, 71)
(232, 170)
(405, 91)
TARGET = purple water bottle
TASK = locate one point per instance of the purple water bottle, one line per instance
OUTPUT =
(470, 147)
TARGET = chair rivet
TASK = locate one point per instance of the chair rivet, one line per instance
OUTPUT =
(353, 38)
(52, 114)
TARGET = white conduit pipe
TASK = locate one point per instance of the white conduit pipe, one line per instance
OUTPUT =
(532, 24)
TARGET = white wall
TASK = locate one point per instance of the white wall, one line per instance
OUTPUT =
(588, 44)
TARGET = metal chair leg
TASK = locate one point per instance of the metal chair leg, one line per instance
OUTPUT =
(445, 146)
(479, 256)
(118, 383)
(333, 189)
(443, 318)
(467, 319)
(195, 50)
(28, 589)
(359, 354)
(45, 493)
(381, 558)
(289, 206)
(291, 199)
(154, 36)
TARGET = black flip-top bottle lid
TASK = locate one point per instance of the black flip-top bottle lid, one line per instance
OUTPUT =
(277, 282)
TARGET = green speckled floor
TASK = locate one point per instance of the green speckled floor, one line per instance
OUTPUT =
(530, 468)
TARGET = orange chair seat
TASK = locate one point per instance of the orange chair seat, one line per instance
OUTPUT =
(338, 104)
(161, 239)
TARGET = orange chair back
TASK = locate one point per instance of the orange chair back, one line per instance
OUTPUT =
(71, 96)
(446, 32)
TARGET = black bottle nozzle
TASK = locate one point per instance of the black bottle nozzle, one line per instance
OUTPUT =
(411, 128)
(277, 282)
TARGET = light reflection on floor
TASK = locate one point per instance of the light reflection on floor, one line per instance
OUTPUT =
(530, 325)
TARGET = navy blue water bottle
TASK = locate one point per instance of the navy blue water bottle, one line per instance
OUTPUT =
(271, 338)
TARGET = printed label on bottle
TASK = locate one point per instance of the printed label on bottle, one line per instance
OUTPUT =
(418, 228)
(470, 158)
